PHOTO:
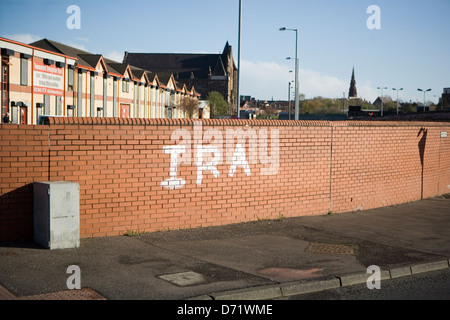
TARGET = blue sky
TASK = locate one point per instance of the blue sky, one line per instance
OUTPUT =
(410, 50)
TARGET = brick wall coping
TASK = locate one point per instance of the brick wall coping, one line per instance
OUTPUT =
(238, 122)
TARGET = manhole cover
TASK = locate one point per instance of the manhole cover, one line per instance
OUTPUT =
(328, 248)
(184, 279)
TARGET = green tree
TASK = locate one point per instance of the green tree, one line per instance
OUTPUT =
(408, 107)
(390, 106)
(367, 106)
(320, 105)
(218, 105)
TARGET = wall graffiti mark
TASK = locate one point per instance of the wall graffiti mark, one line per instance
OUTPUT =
(207, 157)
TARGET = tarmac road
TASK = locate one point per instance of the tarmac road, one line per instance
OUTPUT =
(255, 260)
(433, 285)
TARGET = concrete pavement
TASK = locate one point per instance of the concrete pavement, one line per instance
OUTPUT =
(255, 260)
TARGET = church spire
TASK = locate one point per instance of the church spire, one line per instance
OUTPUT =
(352, 92)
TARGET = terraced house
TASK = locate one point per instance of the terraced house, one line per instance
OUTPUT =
(50, 78)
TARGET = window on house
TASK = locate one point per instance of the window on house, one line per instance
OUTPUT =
(125, 86)
(23, 72)
(70, 110)
(70, 79)
(58, 105)
(46, 104)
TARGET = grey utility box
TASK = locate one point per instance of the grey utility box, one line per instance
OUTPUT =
(56, 210)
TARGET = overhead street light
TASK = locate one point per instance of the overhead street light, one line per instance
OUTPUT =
(397, 95)
(296, 70)
(289, 58)
(424, 92)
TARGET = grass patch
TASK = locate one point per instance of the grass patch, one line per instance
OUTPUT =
(133, 233)
(279, 218)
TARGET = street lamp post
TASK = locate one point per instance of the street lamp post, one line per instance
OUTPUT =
(238, 98)
(397, 95)
(343, 103)
(289, 93)
(296, 70)
(289, 99)
(424, 92)
(382, 107)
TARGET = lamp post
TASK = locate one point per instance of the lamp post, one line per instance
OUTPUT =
(238, 98)
(343, 103)
(289, 99)
(289, 92)
(379, 88)
(424, 92)
(296, 70)
(397, 95)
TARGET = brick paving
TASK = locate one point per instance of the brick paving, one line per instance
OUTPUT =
(82, 294)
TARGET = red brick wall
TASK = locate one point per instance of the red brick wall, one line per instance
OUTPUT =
(120, 164)
(23, 159)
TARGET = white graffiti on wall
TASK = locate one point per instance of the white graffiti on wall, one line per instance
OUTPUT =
(173, 182)
(207, 157)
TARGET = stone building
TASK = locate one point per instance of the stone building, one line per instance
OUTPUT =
(205, 72)
(445, 99)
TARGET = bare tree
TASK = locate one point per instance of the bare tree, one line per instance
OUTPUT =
(189, 105)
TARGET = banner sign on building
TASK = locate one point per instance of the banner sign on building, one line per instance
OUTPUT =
(47, 79)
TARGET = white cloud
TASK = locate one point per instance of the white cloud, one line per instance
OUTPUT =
(368, 92)
(314, 84)
(26, 38)
(264, 80)
(115, 55)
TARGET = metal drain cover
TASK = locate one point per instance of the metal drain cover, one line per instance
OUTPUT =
(329, 248)
(184, 279)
